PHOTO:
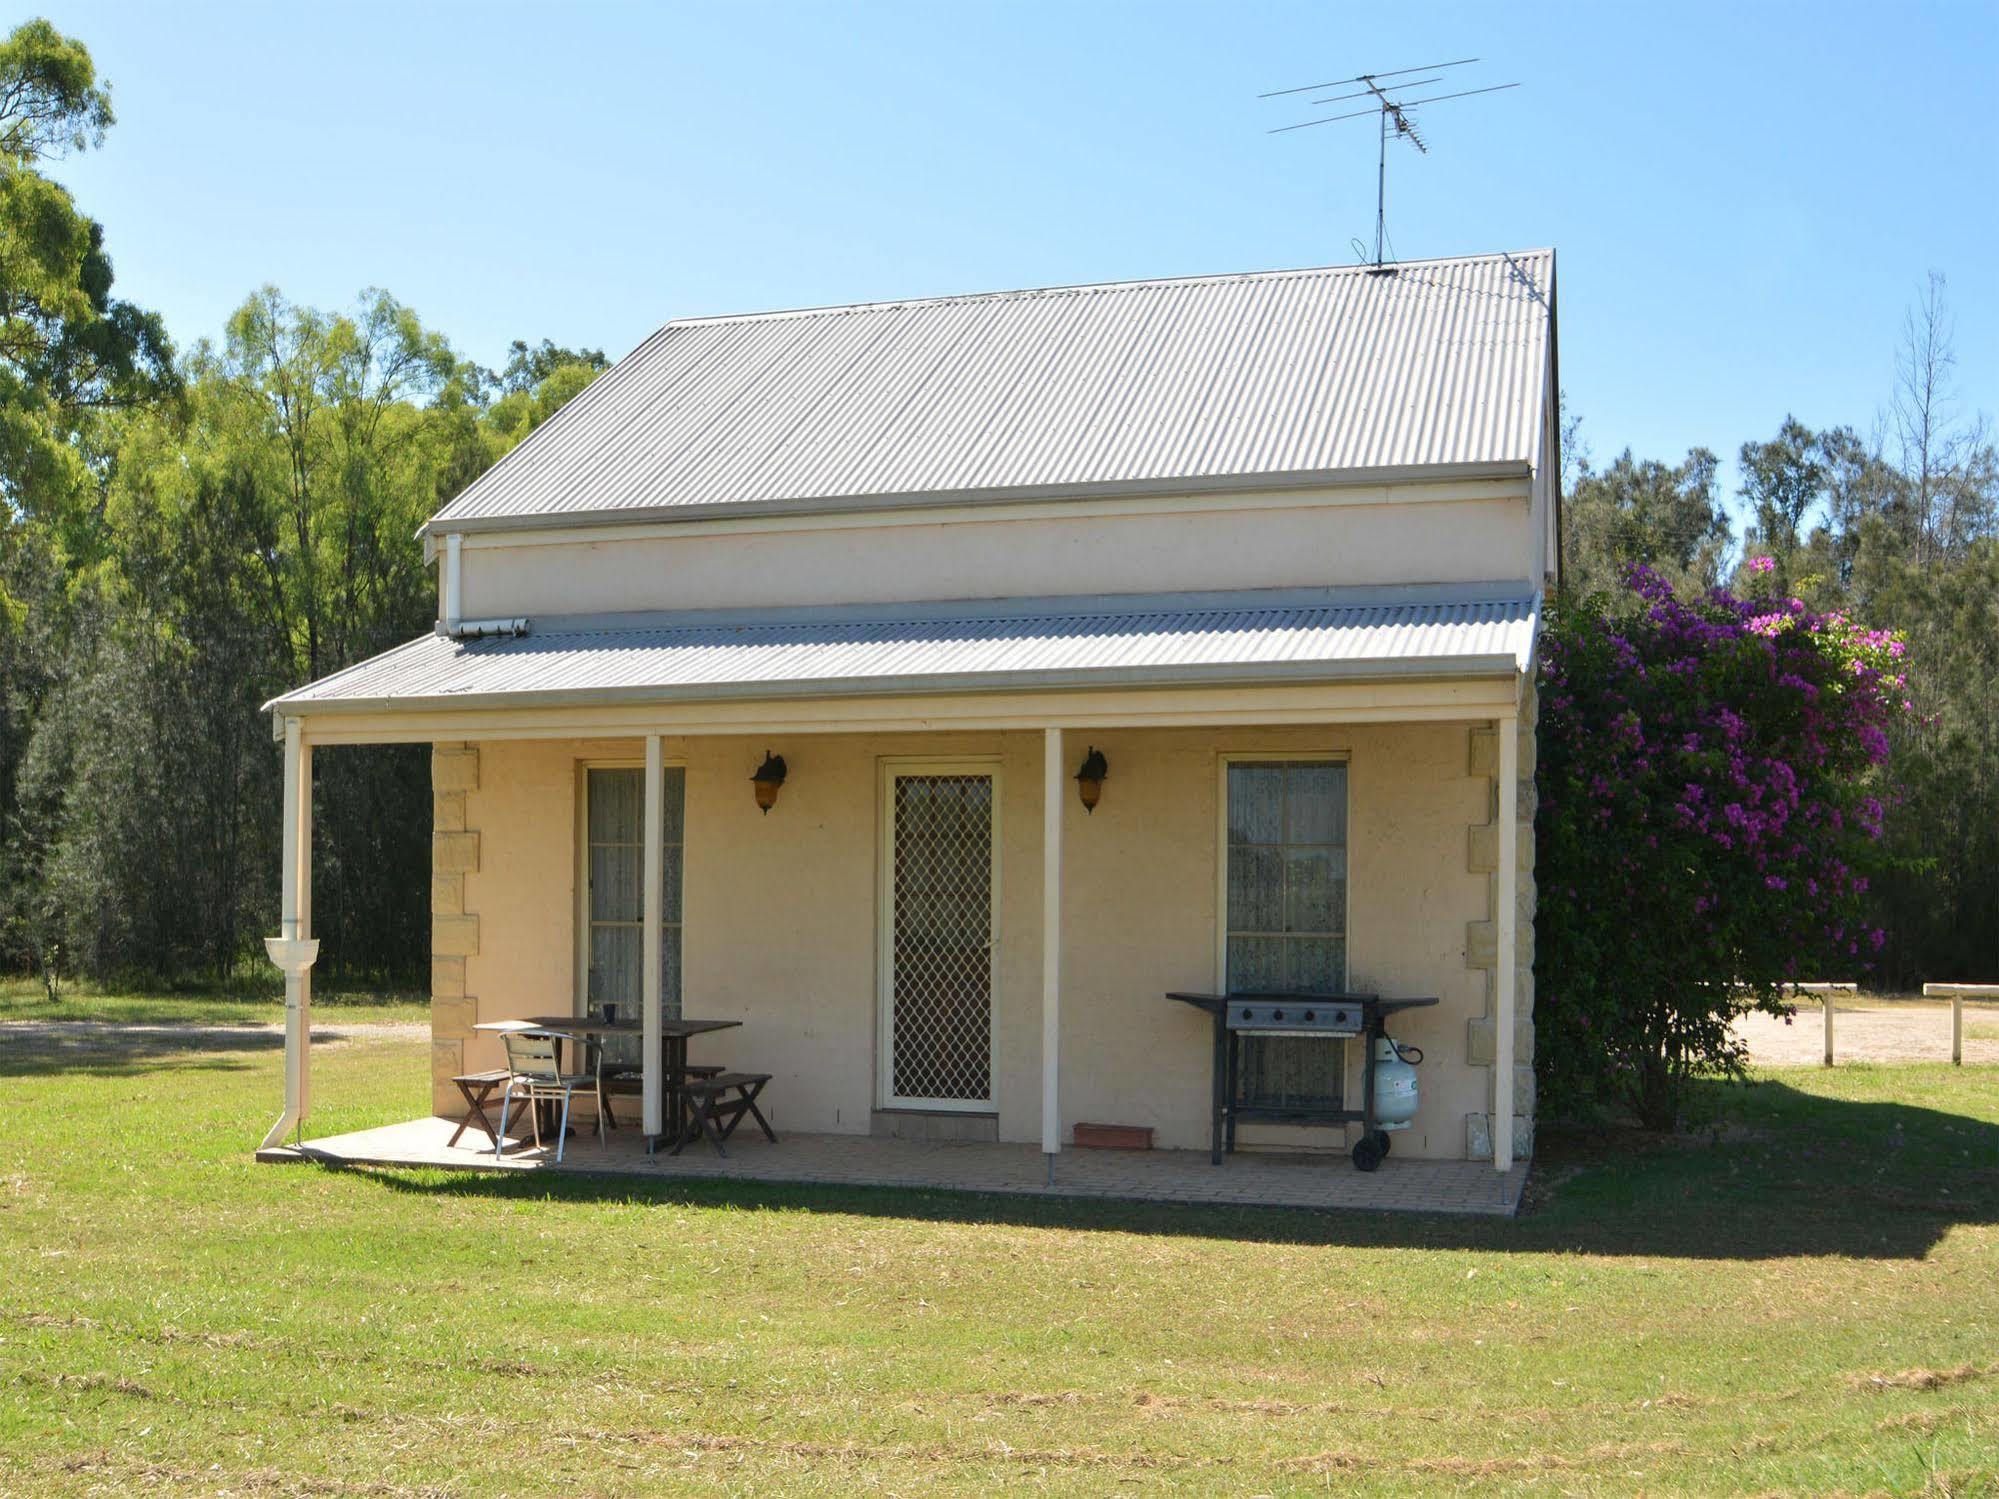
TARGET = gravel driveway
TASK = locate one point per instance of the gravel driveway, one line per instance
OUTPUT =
(1887, 1031)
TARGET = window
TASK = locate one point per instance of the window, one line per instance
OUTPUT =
(614, 897)
(1286, 918)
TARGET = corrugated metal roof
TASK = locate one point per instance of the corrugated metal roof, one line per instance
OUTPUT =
(1177, 639)
(1444, 362)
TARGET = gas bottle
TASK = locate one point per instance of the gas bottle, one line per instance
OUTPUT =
(1394, 1083)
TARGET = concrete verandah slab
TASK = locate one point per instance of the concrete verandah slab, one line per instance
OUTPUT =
(1244, 1180)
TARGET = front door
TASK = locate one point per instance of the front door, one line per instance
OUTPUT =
(939, 925)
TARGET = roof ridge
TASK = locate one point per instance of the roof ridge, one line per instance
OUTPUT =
(1081, 288)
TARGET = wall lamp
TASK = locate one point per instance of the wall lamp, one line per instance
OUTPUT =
(769, 776)
(1090, 779)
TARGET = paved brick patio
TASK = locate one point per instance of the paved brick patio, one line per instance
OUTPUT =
(1246, 1179)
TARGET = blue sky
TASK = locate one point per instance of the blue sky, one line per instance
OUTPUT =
(1745, 198)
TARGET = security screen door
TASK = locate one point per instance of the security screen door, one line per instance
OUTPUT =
(938, 939)
(614, 902)
(1287, 915)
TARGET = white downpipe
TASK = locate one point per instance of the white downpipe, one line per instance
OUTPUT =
(454, 581)
(653, 1086)
(295, 949)
(1051, 945)
(1506, 891)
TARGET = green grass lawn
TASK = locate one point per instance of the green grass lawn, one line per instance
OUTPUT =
(24, 999)
(1805, 1301)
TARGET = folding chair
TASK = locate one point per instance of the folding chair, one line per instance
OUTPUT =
(533, 1070)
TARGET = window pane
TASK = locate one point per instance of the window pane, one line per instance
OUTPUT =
(614, 967)
(672, 806)
(1256, 965)
(1316, 965)
(669, 881)
(1256, 889)
(1316, 804)
(1315, 889)
(617, 806)
(1256, 804)
(669, 971)
(616, 876)
(1286, 874)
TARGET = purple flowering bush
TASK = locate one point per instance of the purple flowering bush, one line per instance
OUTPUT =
(1708, 812)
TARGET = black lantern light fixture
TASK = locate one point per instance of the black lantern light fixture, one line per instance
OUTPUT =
(1090, 779)
(769, 776)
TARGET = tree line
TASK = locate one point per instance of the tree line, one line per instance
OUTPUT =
(185, 533)
(1896, 528)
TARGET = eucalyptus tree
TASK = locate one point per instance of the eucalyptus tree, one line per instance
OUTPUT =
(1643, 512)
(68, 347)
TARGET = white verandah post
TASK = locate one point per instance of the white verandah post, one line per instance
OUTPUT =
(652, 1085)
(1051, 945)
(294, 949)
(1506, 895)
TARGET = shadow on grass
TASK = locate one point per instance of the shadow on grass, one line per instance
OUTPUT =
(1803, 1175)
(99, 1049)
(109, 1048)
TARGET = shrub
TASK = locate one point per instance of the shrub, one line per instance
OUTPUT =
(1707, 818)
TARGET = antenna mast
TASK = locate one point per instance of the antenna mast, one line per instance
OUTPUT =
(1397, 119)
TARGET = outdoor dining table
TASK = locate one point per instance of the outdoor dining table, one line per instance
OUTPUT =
(674, 1034)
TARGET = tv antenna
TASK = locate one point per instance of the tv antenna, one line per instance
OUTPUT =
(1397, 114)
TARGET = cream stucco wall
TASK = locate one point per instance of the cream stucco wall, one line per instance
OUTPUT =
(1486, 534)
(781, 913)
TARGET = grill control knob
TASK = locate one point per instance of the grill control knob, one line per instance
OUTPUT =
(1276, 1014)
(1311, 1015)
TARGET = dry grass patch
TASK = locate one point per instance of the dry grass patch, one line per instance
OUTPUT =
(1922, 1379)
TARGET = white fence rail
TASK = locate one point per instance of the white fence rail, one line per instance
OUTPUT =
(1957, 994)
(1825, 992)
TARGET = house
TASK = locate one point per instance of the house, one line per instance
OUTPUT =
(1272, 545)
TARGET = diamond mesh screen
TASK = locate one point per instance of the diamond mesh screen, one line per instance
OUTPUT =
(942, 1015)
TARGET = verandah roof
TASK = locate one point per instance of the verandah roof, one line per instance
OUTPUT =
(1171, 640)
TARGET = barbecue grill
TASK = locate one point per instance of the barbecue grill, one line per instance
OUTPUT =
(1330, 1017)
